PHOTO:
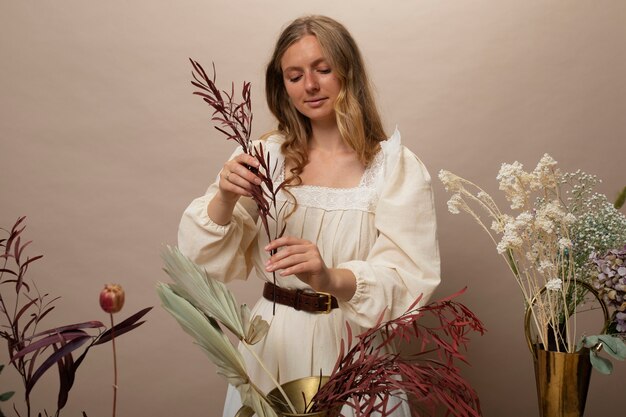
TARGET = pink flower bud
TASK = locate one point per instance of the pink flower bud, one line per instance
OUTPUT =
(112, 298)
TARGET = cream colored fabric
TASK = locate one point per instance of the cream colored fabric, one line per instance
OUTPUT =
(384, 231)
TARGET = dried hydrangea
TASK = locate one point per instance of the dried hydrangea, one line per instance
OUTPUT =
(610, 281)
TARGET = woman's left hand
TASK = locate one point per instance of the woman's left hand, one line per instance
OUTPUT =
(301, 258)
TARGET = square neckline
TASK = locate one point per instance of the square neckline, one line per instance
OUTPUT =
(365, 181)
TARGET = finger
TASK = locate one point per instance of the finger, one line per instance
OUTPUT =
(287, 251)
(248, 177)
(229, 183)
(285, 241)
(288, 262)
(310, 268)
(250, 165)
(236, 180)
(302, 270)
(234, 168)
(235, 189)
(246, 159)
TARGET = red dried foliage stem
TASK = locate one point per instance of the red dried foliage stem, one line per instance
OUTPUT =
(367, 376)
(234, 120)
(23, 304)
(26, 346)
(236, 117)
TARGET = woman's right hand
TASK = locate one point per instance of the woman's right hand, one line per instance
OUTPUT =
(236, 179)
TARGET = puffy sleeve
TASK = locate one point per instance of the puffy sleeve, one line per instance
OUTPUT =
(223, 251)
(404, 260)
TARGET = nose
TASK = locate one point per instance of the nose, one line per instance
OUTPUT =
(311, 83)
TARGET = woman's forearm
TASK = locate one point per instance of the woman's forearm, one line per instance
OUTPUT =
(220, 210)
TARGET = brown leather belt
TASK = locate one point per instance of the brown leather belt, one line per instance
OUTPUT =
(316, 302)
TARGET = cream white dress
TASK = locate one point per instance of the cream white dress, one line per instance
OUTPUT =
(384, 231)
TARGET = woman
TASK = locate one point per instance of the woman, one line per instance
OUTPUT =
(361, 223)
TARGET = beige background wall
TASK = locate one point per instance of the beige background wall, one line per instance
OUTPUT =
(103, 145)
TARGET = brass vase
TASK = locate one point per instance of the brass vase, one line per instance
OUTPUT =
(562, 382)
(562, 378)
(300, 392)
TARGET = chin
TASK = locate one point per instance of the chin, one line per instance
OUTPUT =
(318, 116)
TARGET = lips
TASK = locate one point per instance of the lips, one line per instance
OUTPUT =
(316, 102)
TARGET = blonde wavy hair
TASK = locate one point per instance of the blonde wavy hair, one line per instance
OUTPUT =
(358, 119)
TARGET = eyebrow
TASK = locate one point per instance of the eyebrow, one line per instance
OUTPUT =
(313, 64)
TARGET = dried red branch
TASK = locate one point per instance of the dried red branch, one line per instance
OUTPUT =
(367, 376)
(234, 120)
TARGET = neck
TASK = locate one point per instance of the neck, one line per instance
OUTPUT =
(326, 136)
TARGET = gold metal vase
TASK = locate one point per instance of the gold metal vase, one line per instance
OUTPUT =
(300, 392)
(562, 382)
(562, 378)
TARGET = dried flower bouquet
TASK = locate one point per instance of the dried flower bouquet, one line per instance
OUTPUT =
(558, 222)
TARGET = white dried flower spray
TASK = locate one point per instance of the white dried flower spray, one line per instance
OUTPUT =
(450, 181)
(555, 284)
(515, 183)
(565, 243)
(545, 174)
(557, 221)
(455, 203)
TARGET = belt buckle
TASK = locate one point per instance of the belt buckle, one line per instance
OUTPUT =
(329, 302)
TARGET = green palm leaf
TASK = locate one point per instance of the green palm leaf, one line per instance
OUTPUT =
(208, 295)
(208, 335)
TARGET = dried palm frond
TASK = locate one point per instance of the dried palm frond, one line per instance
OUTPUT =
(212, 297)
(201, 304)
(206, 332)
(209, 336)
(208, 295)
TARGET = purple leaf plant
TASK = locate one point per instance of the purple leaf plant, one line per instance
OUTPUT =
(32, 353)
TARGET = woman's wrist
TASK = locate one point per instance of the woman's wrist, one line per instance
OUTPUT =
(220, 209)
(341, 283)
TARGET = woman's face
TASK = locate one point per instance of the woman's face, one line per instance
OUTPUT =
(309, 80)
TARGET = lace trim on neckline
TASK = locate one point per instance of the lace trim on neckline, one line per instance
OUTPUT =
(362, 197)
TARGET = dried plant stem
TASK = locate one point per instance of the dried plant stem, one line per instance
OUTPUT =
(234, 120)
(274, 381)
(114, 365)
(489, 205)
(367, 376)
